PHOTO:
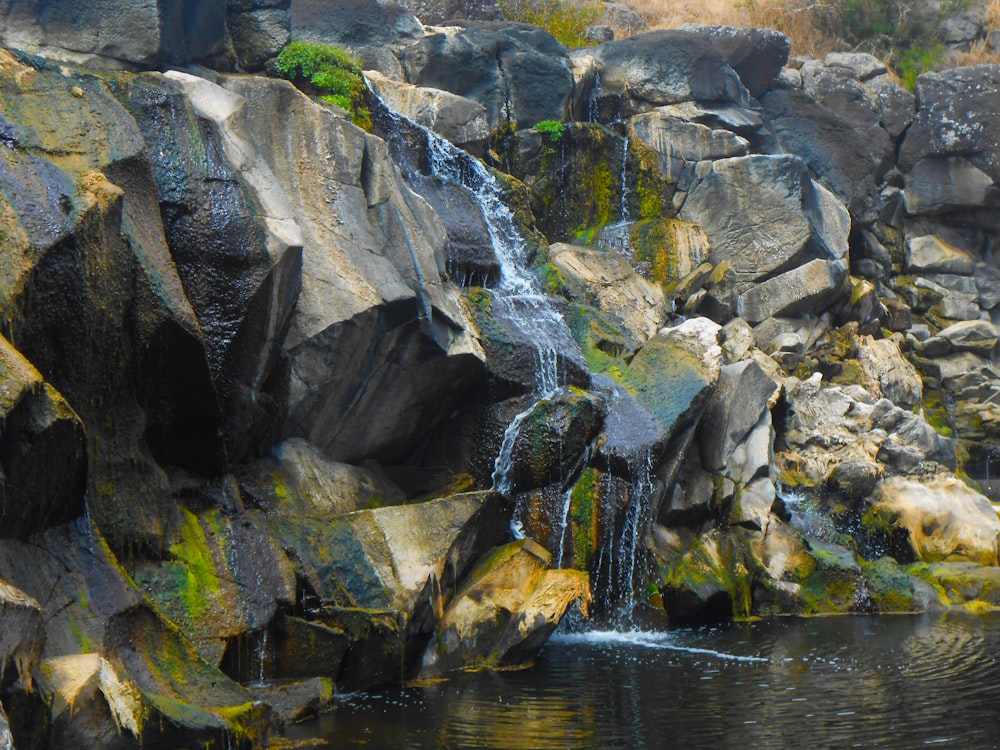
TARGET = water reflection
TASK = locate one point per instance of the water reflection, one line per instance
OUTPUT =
(827, 682)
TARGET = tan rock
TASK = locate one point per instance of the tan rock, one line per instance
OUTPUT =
(888, 373)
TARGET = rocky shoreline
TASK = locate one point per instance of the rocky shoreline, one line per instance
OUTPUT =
(279, 417)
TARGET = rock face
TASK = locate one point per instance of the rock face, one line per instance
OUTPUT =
(291, 407)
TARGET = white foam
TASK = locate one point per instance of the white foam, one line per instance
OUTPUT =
(644, 639)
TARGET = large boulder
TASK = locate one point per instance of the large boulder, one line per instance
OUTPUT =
(22, 635)
(809, 288)
(765, 215)
(259, 30)
(147, 33)
(375, 308)
(757, 55)
(941, 517)
(849, 152)
(946, 184)
(353, 23)
(520, 74)
(665, 67)
(954, 118)
(440, 11)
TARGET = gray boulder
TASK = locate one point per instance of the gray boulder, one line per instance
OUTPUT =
(955, 117)
(757, 55)
(938, 185)
(932, 254)
(809, 288)
(353, 23)
(666, 67)
(143, 34)
(437, 12)
(258, 34)
(764, 214)
(520, 74)
(680, 144)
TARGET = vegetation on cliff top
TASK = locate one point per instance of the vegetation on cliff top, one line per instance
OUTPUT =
(329, 72)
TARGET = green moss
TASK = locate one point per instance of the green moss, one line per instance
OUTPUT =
(604, 343)
(552, 280)
(584, 501)
(890, 586)
(329, 72)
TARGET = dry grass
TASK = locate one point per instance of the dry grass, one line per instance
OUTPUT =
(980, 52)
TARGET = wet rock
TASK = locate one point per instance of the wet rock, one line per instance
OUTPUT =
(296, 701)
(22, 635)
(352, 22)
(757, 55)
(932, 254)
(943, 519)
(44, 465)
(552, 438)
(519, 74)
(170, 695)
(673, 374)
(607, 281)
(975, 586)
(455, 118)
(764, 214)
(146, 34)
(374, 307)
(506, 610)
(304, 648)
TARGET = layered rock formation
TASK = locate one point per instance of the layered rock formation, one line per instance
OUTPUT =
(293, 403)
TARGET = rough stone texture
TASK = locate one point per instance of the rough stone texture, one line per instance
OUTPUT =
(954, 118)
(932, 254)
(888, 373)
(977, 336)
(946, 184)
(438, 12)
(757, 55)
(863, 65)
(352, 22)
(374, 307)
(666, 67)
(679, 143)
(744, 392)
(506, 610)
(896, 107)
(519, 74)
(607, 281)
(811, 287)
(844, 146)
(22, 636)
(455, 118)
(258, 35)
(144, 33)
(944, 519)
(763, 214)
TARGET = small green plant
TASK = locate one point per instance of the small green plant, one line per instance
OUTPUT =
(552, 128)
(915, 61)
(330, 73)
(566, 20)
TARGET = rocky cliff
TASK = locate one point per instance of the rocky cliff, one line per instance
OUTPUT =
(289, 405)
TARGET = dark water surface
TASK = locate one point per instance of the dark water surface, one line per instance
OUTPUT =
(836, 682)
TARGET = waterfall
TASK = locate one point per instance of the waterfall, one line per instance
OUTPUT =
(625, 217)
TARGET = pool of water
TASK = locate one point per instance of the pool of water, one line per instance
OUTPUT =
(899, 682)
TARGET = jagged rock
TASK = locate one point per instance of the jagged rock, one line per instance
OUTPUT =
(749, 469)
(352, 22)
(236, 245)
(44, 467)
(630, 429)
(221, 578)
(506, 610)
(863, 65)
(737, 339)
(888, 373)
(674, 373)
(6, 740)
(552, 438)
(679, 144)
(148, 34)
(623, 19)
(951, 368)
(764, 214)
(666, 67)
(932, 254)
(757, 55)
(520, 74)
(22, 635)
(299, 476)
(374, 306)
(455, 118)
(743, 393)
(168, 694)
(259, 33)
(941, 184)
(941, 519)
(976, 336)
(953, 119)
(441, 11)
(813, 286)
(607, 281)
(896, 107)
(296, 701)
(850, 154)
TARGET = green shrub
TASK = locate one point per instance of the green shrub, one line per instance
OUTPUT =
(328, 72)
(917, 60)
(552, 128)
(566, 20)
